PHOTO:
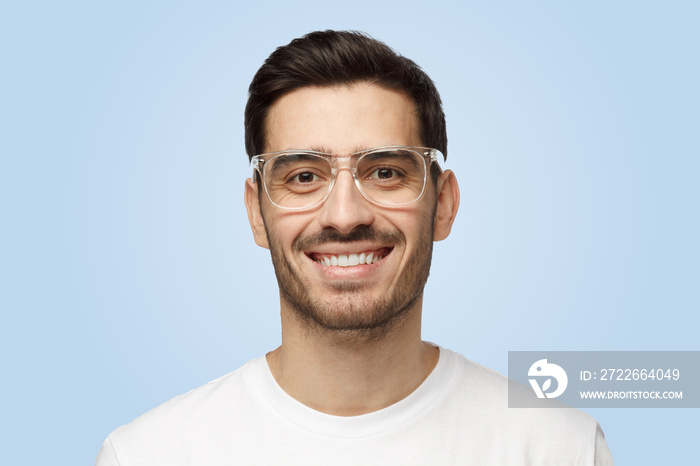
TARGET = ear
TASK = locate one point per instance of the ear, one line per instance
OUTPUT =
(447, 205)
(252, 205)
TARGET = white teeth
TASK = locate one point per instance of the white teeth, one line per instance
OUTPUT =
(349, 260)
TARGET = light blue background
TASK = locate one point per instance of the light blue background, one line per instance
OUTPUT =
(128, 270)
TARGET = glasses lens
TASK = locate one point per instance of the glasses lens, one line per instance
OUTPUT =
(297, 180)
(392, 177)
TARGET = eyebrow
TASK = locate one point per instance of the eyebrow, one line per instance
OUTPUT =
(355, 150)
(324, 150)
(403, 155)
(285, 160)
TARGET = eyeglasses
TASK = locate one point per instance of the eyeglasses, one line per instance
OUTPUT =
(391, 176)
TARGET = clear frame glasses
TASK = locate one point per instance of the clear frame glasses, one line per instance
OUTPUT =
(391, 176)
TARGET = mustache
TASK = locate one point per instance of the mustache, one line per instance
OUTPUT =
(364, 233)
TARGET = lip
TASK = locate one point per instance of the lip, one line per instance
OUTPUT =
(350, 258)
(321, 259)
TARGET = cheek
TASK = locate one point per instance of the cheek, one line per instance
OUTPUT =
(283, 230)
(416, 225)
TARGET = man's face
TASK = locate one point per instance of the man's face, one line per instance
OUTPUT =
(364, 298)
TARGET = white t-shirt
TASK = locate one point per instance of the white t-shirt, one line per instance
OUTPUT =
(459, 415)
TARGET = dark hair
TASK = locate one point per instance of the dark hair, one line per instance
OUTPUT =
(328, 58)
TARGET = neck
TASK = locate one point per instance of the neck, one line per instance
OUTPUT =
(348, 375)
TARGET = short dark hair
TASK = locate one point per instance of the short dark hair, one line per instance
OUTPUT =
(331, 58)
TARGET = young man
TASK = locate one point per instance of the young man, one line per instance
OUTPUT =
(347, 194)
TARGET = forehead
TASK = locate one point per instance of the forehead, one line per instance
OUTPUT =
(341, 119)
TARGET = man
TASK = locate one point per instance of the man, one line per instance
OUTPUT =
(345, 137)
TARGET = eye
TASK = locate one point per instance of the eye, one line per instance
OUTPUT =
(304, 177)
(383, 173)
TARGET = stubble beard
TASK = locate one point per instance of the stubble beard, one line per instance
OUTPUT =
(348, 310)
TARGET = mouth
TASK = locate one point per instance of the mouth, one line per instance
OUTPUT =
(349, 259)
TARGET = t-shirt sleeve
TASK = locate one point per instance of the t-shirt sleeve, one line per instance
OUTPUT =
(107, 456)
(602, 452)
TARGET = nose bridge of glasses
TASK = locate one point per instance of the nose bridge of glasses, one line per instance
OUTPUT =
(340, 163)
(342, 183)
(343, 162)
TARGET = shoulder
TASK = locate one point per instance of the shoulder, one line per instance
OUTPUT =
(199, 412)
(482, 394)
(199, 401)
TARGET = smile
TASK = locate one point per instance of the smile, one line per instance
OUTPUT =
(350, 260)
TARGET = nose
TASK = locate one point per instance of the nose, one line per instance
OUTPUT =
(346, 208)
